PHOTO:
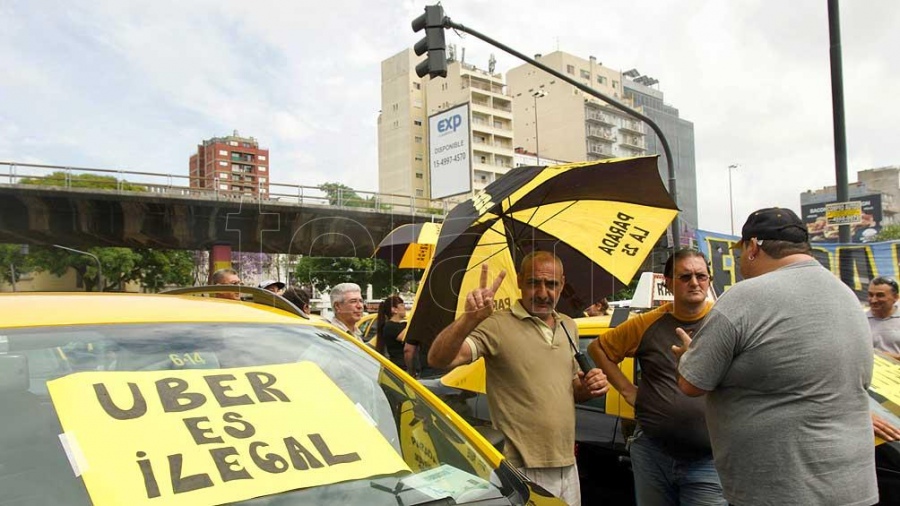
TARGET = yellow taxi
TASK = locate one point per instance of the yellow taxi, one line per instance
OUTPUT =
(112, 399)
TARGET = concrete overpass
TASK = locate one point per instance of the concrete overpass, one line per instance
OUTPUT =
(173, 217)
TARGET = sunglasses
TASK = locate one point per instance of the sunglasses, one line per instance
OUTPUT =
(686, 278)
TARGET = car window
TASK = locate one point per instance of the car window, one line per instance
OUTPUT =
(34, 468)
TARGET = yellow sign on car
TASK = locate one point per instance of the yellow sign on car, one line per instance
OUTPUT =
(214, 436)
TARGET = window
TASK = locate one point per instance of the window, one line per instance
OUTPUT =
(395, 107)
(418, 158)
(223, 186)
(223, 164)
(615, 84)
(223, 152)
(419, 175)
(417, 122)
(419, 192)
(417, 86)
(262, 180)
(585, 74)
(262, 157)
(601, 80)
(232, 143)
(262, 169)
(418, 139)
(223, 175)
(263, 190)
(417, 103)
(570, 69)
(397, 124)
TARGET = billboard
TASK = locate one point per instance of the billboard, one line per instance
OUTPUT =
(814, 215)
(450, 152)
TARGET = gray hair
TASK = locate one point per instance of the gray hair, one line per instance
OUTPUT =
(337, 293)
(220, 274)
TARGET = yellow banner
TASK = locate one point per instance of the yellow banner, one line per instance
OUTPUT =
(886, 380)
(206, 437)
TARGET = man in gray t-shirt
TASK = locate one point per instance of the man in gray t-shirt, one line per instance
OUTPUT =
(786, 359)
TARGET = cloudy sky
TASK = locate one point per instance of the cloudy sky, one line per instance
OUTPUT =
(135, 84)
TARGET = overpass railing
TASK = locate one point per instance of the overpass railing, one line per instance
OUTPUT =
(125, 181)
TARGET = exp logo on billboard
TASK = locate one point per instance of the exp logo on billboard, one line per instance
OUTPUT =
(449, 124)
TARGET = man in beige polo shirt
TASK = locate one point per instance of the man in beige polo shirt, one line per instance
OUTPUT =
(533, 380)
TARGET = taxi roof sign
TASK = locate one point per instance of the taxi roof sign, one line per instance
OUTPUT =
(843, 213)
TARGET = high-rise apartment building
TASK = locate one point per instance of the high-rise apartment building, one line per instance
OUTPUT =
(406, 103)
(233, 165)
(556, 120)
(680, 134)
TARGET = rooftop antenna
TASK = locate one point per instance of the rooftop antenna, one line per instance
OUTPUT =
(492, 63)
(462, 58)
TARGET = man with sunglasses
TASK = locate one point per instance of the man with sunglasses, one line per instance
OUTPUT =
(533, 380)
(884, 319)
(671, 456)
(785, 358)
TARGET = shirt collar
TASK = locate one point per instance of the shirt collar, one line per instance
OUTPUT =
(521, 313)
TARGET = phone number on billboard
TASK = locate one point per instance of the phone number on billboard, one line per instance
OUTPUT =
(449, 159)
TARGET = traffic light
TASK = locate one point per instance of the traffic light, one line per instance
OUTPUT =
(435, 63)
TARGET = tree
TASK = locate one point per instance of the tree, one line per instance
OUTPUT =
(322, 273)
(342, 195)
(95, 181)
(13, 259)
(889, 233)
(153, 269)
(161, 268)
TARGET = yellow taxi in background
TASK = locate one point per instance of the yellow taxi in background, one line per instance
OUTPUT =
(113, 399)
(367, 327)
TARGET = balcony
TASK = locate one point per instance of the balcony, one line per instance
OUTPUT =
(601, 134)
(599, 150)
(599, 117)
(633, 143)
(633, 127)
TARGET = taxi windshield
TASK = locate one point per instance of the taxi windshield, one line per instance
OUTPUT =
(360, 435)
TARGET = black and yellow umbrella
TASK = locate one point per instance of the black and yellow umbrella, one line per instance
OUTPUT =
(601, 219)
(409, 246)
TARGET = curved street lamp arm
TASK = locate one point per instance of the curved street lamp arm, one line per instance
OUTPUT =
(670, 165)
(96, 259)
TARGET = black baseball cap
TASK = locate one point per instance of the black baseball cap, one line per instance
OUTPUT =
(775, 223)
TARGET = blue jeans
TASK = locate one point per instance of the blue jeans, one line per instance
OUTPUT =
(660, 480)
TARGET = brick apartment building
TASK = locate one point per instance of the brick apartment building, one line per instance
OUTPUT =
(234, 165)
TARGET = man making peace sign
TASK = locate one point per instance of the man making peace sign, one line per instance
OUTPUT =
(533, 380)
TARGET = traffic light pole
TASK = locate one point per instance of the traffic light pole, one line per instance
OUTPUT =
(670, 164)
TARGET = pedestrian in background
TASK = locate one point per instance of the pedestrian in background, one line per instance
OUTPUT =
(347, 303)
(785, 358)
(599, 308)
(533, 380)
(884, 318)
(227, 277)
(671, 456)
(298, 297)
(273, 285)
(389, 324)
